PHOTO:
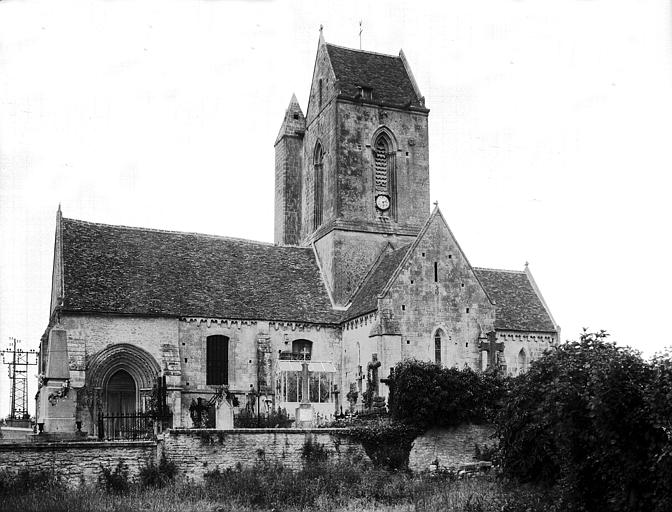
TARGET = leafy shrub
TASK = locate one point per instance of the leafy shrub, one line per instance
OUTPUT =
(26, 480)
(387, 442)
(313, 453)
(277, 418)
(115, 480)
(582, 419)
(158, 475)
(485, 452)
(425, 394)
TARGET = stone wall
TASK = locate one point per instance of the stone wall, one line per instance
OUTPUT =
(76, 462)
(451, 446)
(199, 451)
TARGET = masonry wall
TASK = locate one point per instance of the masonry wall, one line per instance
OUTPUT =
(245, 341)
(531, 344)
(421, 302)
(78, 462)
(450, 446)
(357, 125)
(88, 335)
(200, 451)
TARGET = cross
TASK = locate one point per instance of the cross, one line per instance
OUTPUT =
(305, 353)
(492, 347)
(360, 34)
(436, 203)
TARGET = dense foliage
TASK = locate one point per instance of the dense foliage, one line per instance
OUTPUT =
(592, 419)
(426, 395)
(268, 487)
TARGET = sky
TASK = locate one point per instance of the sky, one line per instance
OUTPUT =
(549, 130)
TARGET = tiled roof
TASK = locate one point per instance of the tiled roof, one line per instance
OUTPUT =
(117, 269)
(385, 74)
(366, 298)
(518, 307)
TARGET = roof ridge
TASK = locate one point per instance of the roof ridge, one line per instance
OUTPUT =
(173, 232)
(500, 270)
(363, 51)
(382, 256)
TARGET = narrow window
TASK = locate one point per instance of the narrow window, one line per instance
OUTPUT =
(217, 360)
(318, 206)
(437, 347)
(319, 93)
(522, 361)
(384, 175)
(436, 271)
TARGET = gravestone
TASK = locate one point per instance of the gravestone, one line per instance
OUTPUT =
(223, 415)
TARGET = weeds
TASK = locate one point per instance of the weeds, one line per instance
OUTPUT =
(325, 486)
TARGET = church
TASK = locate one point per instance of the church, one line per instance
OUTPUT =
(362, 274)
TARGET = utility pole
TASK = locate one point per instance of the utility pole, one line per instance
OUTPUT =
(18, 361)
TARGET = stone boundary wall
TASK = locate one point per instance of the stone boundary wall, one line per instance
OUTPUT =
(451, 446)
(76, 462)
(199, 451)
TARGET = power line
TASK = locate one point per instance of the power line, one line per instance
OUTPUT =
(17, 362)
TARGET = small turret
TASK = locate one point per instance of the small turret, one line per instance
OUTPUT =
(288, 164)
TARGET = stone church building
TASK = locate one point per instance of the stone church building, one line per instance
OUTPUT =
(361, 276)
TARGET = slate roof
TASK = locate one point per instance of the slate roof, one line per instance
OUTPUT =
(118, 269)
(518, 307)
(366, 298)
(385, 74)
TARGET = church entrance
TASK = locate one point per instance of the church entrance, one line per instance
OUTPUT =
(121, 394)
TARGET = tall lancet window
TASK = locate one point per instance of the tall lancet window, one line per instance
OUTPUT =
(522, 361)
(437, 347)
(384, 172)
(318, 199)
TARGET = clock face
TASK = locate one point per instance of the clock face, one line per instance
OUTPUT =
(382, 202)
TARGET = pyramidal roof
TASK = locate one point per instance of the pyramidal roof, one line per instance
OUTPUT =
(294, 123)
(388, 76)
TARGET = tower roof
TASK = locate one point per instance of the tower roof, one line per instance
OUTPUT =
(294, 123)
(387, 76)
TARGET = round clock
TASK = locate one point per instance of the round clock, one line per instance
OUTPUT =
(382, 202)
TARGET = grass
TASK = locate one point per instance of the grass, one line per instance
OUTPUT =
(324, 487)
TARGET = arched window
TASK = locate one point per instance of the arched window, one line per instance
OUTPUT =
(318, 200)
(217, 360)
(384, 162)
(437, 347)
(522, 361)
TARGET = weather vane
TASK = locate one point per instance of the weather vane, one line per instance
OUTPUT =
(360, 34)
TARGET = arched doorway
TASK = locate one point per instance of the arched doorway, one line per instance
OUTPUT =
(121, 393)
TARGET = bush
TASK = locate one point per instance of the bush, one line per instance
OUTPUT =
(387, 442)
(153, 475)
(427, 395)
(115, 480)
(25, 480)
(313, 453)
(582, 419)
(277, 418)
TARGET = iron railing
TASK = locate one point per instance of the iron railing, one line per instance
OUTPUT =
(131, 426)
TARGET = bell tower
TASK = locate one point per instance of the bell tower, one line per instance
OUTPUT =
(365, 169)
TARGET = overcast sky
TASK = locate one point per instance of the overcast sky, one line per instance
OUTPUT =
(550, 134)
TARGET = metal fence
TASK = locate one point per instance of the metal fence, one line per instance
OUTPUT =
(132, 426)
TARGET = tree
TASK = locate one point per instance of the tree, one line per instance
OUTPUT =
(582, 418)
